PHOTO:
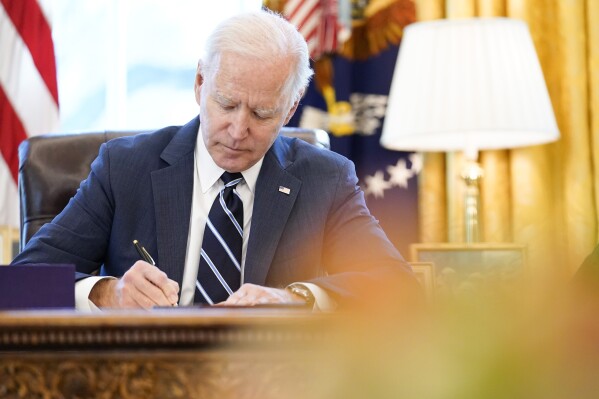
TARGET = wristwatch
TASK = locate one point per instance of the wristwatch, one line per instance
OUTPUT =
(303, 292)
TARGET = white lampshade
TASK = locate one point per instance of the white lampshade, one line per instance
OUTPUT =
(468, 84)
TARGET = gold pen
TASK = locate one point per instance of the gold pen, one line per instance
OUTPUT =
(145, 255)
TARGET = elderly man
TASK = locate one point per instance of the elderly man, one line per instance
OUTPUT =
(227, 209)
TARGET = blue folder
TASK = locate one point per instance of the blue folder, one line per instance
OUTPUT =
(37, 286)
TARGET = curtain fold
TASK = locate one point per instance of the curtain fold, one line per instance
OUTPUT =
(592, 23)
(545, 197)
(432, 209)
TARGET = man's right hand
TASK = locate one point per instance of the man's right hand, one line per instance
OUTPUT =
(142, 286)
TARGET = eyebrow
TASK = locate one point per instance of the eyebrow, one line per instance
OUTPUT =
(223, 100)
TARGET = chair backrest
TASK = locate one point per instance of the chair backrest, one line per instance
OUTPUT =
(52, 166)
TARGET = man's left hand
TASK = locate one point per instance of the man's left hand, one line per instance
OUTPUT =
(251, 295)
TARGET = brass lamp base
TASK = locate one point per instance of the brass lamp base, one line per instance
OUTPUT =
(472, 175)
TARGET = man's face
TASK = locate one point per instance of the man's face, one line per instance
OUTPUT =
(242, 109)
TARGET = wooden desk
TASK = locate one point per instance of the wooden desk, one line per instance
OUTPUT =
(170, 353)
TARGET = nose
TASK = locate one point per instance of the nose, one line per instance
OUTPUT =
(239, 127)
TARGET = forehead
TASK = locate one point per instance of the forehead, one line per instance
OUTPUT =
(251, 80)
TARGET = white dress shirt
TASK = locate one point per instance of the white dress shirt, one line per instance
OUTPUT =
(206, 186)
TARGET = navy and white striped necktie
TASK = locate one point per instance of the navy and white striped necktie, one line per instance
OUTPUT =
(219, 273)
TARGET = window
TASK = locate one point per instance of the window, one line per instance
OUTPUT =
(130, 64)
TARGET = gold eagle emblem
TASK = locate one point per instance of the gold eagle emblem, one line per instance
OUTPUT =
(375, 26)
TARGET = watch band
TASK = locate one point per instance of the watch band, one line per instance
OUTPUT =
(303, 292)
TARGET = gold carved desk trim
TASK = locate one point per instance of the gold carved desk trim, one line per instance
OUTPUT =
(170, 353)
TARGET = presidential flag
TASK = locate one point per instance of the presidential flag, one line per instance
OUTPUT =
(28, 90)
(348, 98)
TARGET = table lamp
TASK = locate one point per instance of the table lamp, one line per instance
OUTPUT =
(468, 85)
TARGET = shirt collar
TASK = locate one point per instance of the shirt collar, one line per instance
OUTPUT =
(209, 172)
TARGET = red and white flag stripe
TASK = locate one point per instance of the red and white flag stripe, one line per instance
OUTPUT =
(317, 21)
(28, 90)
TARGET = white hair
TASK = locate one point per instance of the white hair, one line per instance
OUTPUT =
(263, 35)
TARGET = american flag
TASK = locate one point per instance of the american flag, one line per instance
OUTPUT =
(317, 21)
(28, 90)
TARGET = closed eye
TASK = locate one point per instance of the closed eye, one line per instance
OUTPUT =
(224, 103)
(261, 116)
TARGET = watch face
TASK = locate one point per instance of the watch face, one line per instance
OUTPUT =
(304, 293)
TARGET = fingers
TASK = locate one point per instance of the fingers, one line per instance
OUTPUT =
(252, 295)
(169, 288)
(146, 286)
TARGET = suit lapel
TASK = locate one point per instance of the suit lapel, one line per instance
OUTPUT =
(173, 188)
(276, 192)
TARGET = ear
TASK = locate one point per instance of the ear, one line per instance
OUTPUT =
(293, 108)
(199, 80)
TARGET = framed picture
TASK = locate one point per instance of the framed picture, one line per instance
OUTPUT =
(425, 274)
(9, 244)
(469, 266)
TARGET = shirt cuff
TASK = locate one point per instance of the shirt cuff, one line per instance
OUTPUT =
(322, 301)
(82, 290)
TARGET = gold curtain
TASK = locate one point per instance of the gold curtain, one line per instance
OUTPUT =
(545, 197)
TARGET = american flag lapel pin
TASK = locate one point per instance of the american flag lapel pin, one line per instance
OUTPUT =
(284, 190)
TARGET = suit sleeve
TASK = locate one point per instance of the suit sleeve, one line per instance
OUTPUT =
(359, 260)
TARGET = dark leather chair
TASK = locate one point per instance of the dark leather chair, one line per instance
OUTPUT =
(52, 166)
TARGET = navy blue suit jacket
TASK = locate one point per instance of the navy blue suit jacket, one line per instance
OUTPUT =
(140, 187)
